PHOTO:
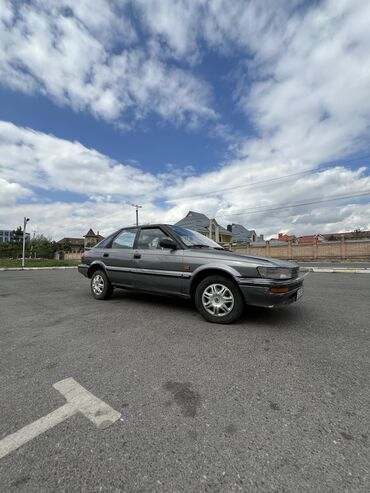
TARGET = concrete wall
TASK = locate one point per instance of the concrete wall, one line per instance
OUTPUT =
(72, 256)
(336, 250)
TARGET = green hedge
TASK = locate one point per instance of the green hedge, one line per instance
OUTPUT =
(39, 247)
(38, 263)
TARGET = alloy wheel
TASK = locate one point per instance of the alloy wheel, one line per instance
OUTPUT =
(98, 284)
(218, 300)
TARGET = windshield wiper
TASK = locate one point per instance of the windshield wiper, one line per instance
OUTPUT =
(200, 245)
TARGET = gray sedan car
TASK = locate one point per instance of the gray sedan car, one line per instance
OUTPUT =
(175, 261)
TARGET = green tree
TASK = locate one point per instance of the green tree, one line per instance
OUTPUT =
(18, 235)
(67, 247)
(42, 247)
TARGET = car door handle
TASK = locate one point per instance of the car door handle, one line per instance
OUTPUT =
(105, 254)
(137, 255)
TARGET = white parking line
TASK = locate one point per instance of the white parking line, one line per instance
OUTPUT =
(24, 435)
(78, 400)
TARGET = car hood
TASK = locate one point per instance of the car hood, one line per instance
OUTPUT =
(250, 259)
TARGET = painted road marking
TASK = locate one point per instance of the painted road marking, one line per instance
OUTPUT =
(79, 400)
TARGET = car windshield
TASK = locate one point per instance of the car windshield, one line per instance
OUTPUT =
(193, 239)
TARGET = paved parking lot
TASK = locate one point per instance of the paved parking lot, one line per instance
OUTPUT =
(276, 402)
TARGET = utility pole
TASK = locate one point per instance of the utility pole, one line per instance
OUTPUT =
(137, 207)
(25, 221)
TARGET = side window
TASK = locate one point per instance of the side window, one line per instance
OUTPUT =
(125, 239)
(104, 243)
(149, 239)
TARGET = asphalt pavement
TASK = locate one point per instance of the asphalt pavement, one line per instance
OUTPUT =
(276, 402)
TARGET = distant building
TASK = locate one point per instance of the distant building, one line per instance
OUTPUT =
(349, 235)
(241, 234)
(7, 236)
(199, 222)
(285, 237)
(310, 239)
(318, 238)
(91, 239)
(72, 245)
(78, 245)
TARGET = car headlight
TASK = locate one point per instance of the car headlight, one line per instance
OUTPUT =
(275, 272)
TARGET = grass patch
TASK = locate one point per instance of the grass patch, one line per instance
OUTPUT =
(38, 263)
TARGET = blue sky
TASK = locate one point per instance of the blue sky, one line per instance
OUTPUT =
(182, 105)
(152, 145)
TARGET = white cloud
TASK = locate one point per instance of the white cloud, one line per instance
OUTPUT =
(183, 25)
(313, 100)
(175, 23)
(90, 61)
(34, 159)
(234, 205)
(304, 72)
(11, 192)
(303, 81)
(61, 219)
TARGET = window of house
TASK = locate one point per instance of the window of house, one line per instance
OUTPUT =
(125, 239)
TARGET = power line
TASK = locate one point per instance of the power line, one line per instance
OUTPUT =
(364, 193)
(270, 180)
(249, 185)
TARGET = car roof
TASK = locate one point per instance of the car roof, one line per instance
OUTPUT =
(154, 225)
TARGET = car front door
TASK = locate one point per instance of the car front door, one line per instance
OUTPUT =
(119, 258)
(157, 269)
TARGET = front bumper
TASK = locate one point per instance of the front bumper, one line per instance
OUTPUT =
(257, 291)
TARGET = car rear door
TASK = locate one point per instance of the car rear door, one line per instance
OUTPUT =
(119, 258)
(157, 269)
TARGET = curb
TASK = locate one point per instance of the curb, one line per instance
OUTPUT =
(335, 270)
(39, 268)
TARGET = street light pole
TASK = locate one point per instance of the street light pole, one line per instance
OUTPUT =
(137, 207)
(25, 221)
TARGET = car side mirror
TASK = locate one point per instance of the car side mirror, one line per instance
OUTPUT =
(168, 243)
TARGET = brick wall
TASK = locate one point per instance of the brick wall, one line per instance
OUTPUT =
(336, 250)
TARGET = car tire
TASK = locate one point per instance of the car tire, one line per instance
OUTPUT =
(219, 300)
(101, 287)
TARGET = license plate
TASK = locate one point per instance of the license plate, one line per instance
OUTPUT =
(299, 293)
